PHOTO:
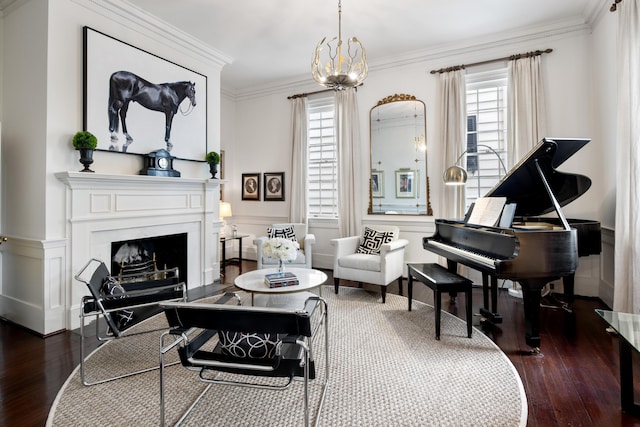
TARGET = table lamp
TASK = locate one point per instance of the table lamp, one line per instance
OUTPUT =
(225, 211)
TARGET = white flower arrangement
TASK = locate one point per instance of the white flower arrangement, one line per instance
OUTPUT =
(281, 249)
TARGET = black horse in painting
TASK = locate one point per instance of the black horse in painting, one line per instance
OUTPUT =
(125, 87)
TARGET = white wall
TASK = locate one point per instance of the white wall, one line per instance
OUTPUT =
(260, 141)
(23, 297)
(42, 85)
(24, 130)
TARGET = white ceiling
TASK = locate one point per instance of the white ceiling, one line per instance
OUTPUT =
(274, 40)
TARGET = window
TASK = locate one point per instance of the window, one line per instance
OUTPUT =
(486, 131)
(322, 189)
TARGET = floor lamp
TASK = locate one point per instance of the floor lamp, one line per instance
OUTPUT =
(457, 175)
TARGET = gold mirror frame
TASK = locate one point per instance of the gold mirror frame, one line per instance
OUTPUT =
(399, 180)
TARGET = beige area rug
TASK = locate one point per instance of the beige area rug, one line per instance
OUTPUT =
(386, 369)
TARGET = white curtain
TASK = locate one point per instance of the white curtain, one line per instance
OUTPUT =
(453, 124)
(298, 192)
(627, 247)
(525, 107)
(348, 134)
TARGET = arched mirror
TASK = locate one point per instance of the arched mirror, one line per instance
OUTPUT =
(399, 181)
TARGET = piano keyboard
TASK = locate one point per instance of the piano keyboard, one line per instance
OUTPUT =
(490, 262)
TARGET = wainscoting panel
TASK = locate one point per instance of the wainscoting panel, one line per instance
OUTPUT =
(607, 278)
(412, 228)
(27, 265)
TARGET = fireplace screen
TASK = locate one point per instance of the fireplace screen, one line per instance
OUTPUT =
(139, 258)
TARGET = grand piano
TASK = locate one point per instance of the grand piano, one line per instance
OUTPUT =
(531, 249)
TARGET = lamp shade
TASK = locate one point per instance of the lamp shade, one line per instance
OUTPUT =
(455, 175)
(225, 209)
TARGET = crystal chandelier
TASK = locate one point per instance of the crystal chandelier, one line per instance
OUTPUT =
(339, 67)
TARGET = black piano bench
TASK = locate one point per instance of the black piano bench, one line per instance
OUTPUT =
(440, 280)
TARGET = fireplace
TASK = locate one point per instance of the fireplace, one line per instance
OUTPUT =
(177, 216)
(158, 253)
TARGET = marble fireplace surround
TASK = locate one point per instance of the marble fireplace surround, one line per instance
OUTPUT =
(103, 208)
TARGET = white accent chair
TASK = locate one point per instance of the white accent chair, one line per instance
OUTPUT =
(304, 239)
(378, 269)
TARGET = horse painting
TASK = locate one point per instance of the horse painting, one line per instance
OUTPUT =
(125, 87)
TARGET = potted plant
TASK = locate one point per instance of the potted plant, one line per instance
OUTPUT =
(85, 142)
(213, 158)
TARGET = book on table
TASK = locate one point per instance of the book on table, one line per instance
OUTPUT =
(277, 280)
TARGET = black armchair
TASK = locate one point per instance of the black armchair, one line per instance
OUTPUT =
(286, 338)
(114, 301)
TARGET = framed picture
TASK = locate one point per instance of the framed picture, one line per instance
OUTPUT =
(406, 182)
(168, 111)
(377, 183)
(273, 186)
(251, 186)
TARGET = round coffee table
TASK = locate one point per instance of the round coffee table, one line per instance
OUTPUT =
(253, 281)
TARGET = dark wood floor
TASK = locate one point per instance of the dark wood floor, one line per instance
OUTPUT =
(574, 382)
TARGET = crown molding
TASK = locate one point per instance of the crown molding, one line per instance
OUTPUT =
(549, 31)
(140, 21)
(8, 6)
(298, 84)
(558, 30)
(596, 10)
(137, 19)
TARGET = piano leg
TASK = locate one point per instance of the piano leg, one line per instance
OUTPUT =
(531, 297)
(485, 290)
(568, 284)
(452, 266)
(492, 315)
(567, 306)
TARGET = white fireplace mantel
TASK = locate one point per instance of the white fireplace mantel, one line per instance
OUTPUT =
(105, 208)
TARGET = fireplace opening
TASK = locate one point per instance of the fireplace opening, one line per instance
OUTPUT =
(149, 254)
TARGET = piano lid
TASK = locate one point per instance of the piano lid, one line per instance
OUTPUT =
(524, 186)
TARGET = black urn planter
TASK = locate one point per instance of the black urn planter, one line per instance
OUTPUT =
(213, 168)
(86, 158)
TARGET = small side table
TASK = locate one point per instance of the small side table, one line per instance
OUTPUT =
(253, 281)
(231, 261)
(627, 326)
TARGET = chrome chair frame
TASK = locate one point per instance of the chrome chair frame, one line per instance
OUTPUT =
(297, 327)
(165, 287)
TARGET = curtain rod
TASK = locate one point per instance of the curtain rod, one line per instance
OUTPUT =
(506, 58)
(303, 95)
(614, 5)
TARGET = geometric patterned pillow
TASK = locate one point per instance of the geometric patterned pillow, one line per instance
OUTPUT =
(255, 346)
(111, 287)
(373, 240)
(288, 233)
